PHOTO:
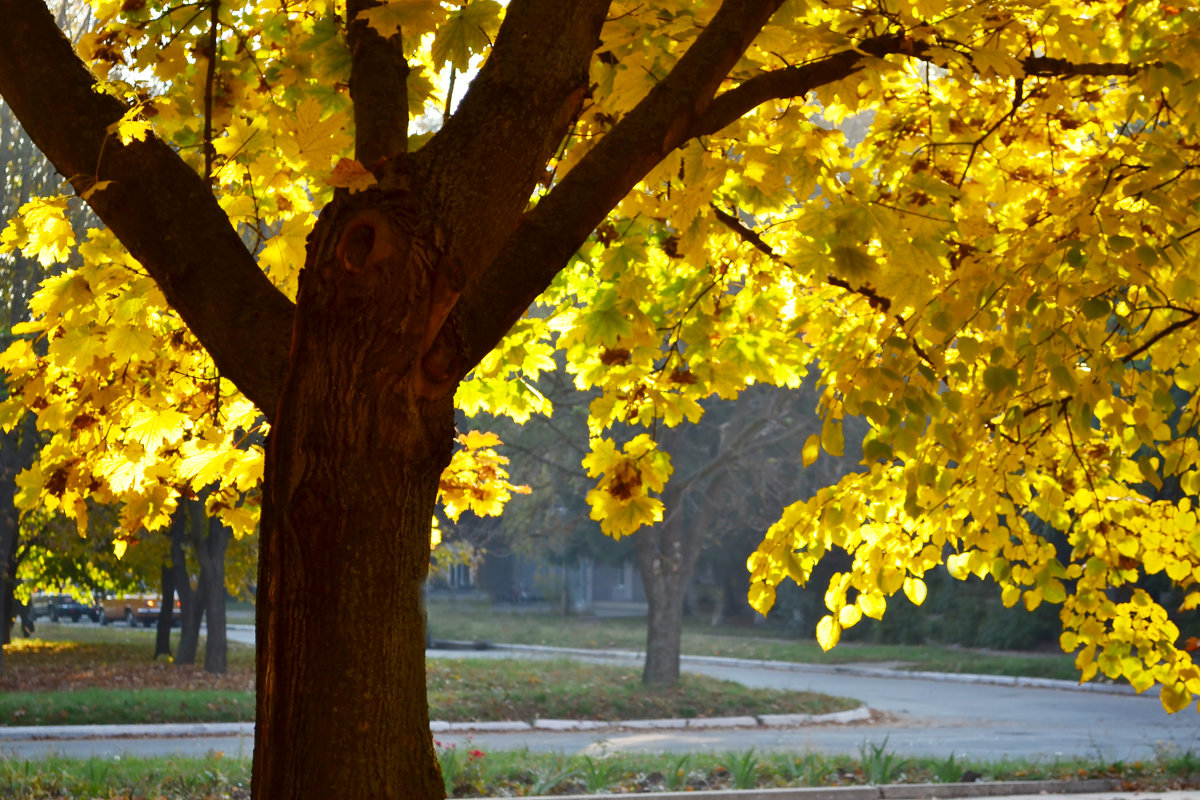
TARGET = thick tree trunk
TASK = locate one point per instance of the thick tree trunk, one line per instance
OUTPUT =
(358, 444)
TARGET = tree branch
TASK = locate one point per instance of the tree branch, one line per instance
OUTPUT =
(481, 168)
(547, 237)
(378, 87)
(156, 204)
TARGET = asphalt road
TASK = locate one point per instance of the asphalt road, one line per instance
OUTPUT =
(916, 717)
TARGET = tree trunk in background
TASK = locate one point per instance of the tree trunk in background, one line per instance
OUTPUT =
(16, 453)
(353, 461)
(667, 555)
(191, 604)
(210, 553)
(162, 633)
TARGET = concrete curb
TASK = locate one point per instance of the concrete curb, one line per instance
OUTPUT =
(899, 791)
(171, 730)
(63, 732)
(870, 672)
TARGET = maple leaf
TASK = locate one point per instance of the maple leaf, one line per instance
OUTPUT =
(411, 18)
(349, 174)
(467, 31)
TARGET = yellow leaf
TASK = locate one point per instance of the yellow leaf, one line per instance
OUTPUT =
(467, 31)
(831, 437)
(129, 128)
(154, 426)
(411, 18)
(477, 440)
(916, 590)
(873, 605)
(761, 597)
(849, 616)
(317, 140)
(349, 174)
(1175, 697)
(828, 633)
(812, 448)
(119, 547)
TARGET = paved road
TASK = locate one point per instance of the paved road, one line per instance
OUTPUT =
(917, 717)
(920, 717)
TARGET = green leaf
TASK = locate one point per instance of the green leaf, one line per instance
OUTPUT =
(466, 32)
(1095, 307)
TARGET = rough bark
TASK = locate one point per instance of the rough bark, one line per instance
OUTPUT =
(353, 461)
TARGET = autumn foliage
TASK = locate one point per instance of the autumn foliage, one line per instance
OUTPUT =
(976, 220)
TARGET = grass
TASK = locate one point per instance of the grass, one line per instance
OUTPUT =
(526, 690)
(106, 676)
(473, 620)
(108, 706)
(473, 772)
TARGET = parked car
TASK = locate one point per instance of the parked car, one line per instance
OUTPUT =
(61, 606)
(135, 609)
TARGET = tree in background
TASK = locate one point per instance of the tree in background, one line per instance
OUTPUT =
(997, 278)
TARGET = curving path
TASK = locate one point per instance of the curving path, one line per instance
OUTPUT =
(934, 715)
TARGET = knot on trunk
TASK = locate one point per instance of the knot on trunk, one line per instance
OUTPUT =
(378, 279)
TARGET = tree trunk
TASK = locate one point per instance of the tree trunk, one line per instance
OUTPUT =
(211, 554)
(16, 453)
(664, 581)
(354, 456)
(191, 603)
(162, 633)
(667, 556)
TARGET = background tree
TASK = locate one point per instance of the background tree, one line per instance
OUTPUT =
(976, 279)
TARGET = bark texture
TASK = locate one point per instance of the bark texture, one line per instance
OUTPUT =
(359, 443)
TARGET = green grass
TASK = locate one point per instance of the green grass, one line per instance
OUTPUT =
(472, 772)
(527, 690)
(123, 706)
(479, 621)
(107, 677)
(458, 691)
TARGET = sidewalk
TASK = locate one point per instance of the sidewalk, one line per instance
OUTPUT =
(198, 729)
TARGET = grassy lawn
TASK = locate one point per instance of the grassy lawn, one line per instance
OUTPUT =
(471, 773)
(527, 690)
(87, 675)
(461, 618)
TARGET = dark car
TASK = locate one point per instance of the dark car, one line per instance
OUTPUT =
(62, 606)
